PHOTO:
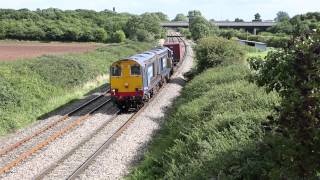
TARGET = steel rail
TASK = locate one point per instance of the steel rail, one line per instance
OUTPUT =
(72, 151)
(107, 143)
(53, 124)
(50, 139)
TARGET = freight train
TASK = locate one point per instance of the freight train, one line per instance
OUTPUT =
(136, 79)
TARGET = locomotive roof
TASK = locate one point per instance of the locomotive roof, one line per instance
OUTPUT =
(147, 55)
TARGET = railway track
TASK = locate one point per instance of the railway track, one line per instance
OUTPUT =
(84, 112)
(106, 144)
(77, 171)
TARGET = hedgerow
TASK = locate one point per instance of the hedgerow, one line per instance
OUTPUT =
(294, 73)
(77, 25)
(216, 51)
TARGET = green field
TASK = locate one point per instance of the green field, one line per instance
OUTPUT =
(259, 53)
(29, 89)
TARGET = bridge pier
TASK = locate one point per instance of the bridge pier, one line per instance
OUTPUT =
(254, 31)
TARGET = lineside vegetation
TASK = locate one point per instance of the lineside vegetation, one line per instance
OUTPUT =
(79, 25)
(293, 72)
(226, 127)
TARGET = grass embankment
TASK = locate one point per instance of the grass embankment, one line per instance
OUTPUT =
(261, 54)
(214, 127)
(29, 89)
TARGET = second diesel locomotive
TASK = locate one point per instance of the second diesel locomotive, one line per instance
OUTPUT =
(136, 79)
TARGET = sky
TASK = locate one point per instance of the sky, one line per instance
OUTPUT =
(211, 9)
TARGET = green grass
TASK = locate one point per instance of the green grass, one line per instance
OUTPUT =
(262, 54)
(212, 130)
(29, 89)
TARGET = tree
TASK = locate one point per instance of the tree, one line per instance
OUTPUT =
(34, 32)
(100, 34)
(293, 72)
(200, 27)
(217, 51)
(87, 34)
(151, 24)
(282, 27)
(2, 30)
(161, 16)
(118, 37)
(76, 25)
(143, 35)
(132, 27)
(53, 31)
(194, 13)
(146, 26)
(238, 20)
(282, 16)
(180, 17)
(257, 18)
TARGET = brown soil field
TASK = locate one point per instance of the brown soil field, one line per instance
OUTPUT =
(10, 51)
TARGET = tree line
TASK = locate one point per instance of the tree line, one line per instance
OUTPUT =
(277, 36)
(79, 25)
(296, 25)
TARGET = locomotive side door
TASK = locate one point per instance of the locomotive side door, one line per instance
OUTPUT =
(149, 74)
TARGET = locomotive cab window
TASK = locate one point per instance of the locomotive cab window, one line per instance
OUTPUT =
(164, 63)
(135, 70)
(116, 70)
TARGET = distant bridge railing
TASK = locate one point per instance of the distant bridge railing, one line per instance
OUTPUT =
(222, 24)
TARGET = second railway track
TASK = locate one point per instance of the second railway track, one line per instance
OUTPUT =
(16, 153)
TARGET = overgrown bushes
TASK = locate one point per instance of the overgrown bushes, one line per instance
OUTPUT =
(118, 37)
(294, 73)
(144, 28)
(212, 131)
(200, 27)
(214, 51)
(74, 25)
(29, 89)
(297, 25)
(185, 32)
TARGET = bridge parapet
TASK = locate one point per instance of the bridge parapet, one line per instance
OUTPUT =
(221, 24)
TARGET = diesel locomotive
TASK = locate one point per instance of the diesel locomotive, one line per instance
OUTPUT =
(134, 80)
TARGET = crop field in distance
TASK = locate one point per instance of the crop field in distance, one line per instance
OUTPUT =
(16, 50)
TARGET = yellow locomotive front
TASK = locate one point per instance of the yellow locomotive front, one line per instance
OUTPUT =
(126, 80)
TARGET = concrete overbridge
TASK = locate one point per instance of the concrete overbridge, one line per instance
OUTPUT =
(252, 27)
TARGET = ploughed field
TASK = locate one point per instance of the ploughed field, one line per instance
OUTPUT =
(24, 50)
